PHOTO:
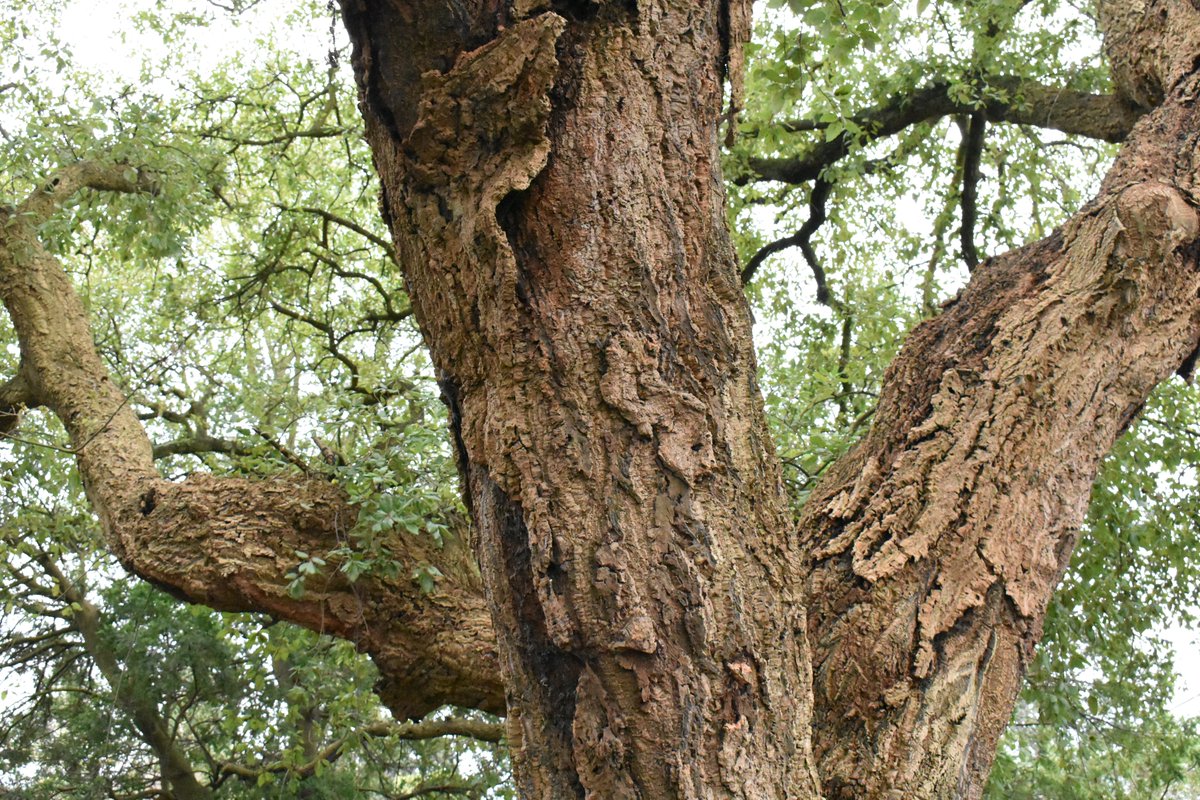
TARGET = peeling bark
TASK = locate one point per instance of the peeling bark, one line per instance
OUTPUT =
(938, 542)
(550, 176)
(557, 205)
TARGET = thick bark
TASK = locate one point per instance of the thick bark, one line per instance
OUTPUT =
(594, 347)
(553, 198)
(226, 542)
(937, 543)
(550, 176)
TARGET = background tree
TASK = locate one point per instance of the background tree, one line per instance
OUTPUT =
(381, 561)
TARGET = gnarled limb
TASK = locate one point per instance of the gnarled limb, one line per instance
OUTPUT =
(938, 541)
(229, 542)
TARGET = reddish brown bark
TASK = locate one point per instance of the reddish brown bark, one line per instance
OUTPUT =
(595, 350)
(596, 358)
(938, 541)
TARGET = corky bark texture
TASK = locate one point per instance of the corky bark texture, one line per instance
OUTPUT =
(227, 543)
(553, 187)
(938, 541)
(662, 628)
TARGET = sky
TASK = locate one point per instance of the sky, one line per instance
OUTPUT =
(102, 38)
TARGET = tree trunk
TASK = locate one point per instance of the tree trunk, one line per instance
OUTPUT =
(594, 347)
(938, 541)
(552, 183)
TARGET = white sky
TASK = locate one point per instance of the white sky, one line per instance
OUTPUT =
(102, 39)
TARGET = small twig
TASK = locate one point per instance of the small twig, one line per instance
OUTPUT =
(802, 239)
(350, 225)
(287, 454)
(409, 731)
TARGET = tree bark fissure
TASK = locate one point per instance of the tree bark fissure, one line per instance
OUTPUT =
(659, 628)
(938, 541)
(611, 435)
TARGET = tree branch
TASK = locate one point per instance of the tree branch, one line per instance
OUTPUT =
(1106, 117)
(802, 239)
(16, 395)
(129, 692)
(765, 252)
(86, 175)
(199, 445)
(816, 218)
(349, 225)
(282, 138)
(975, 136)
(960, 507)
(229, 543)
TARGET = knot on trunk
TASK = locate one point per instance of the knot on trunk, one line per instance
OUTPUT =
(481, 127)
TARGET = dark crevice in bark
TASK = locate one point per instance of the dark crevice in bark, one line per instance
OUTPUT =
(555, 670)
(578, 10)
(508, 215)
(571, 53)
(450, 393)
(395, 43)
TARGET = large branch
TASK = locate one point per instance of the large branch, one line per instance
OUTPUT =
(938, 541)
(1107, 117)
(974, 137)
(229, 543)
(85, 175)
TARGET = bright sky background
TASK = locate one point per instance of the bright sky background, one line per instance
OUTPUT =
(102, 38)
